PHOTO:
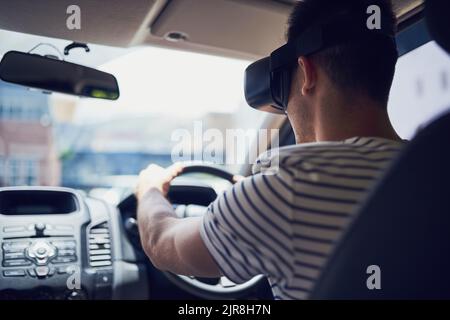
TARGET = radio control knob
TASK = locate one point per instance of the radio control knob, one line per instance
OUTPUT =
(42, 271)
(41, 251)
(39, 227)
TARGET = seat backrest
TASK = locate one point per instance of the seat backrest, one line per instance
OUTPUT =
(403, 228)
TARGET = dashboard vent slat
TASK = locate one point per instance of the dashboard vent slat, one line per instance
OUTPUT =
(99, 246)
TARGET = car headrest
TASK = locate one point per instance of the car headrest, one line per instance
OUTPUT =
(436, 13)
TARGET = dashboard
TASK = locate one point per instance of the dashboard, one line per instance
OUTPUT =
(57, 243)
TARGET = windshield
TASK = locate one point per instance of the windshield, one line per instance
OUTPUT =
(169, 103)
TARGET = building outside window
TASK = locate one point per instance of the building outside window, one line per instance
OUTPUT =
(27, 150)
(21, 171)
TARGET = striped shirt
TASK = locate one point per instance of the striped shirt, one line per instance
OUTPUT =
(285, 225)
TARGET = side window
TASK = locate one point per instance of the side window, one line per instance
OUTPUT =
(421, 89)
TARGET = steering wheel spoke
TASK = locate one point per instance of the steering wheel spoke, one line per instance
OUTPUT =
(226, 283)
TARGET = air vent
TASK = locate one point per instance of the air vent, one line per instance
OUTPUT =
(100, 246)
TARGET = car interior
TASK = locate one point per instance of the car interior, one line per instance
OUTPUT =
(111, 94)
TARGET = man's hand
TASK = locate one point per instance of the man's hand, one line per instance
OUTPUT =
(156, 177)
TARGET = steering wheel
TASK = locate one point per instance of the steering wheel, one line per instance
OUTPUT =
(220, 288)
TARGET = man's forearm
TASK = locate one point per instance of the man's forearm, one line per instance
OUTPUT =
(171, 243)
(154, 204)
(155, 214)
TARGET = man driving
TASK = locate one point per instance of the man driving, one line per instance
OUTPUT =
(285, 225)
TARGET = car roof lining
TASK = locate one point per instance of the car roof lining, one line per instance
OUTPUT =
(147, 22)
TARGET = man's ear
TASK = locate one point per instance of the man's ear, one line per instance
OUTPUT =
(309, 74)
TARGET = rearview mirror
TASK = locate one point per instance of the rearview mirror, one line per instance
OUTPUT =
(49, 74)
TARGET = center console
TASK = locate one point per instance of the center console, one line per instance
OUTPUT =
(56, 243)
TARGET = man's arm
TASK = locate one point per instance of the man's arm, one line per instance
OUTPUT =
(171, 243)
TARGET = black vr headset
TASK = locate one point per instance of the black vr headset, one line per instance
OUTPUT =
(268, 81)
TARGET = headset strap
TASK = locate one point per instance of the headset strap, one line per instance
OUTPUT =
(338, 30)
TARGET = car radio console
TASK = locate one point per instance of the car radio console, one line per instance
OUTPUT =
(54, 245)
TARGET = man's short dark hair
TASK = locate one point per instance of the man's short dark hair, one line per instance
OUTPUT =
(366, 66)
